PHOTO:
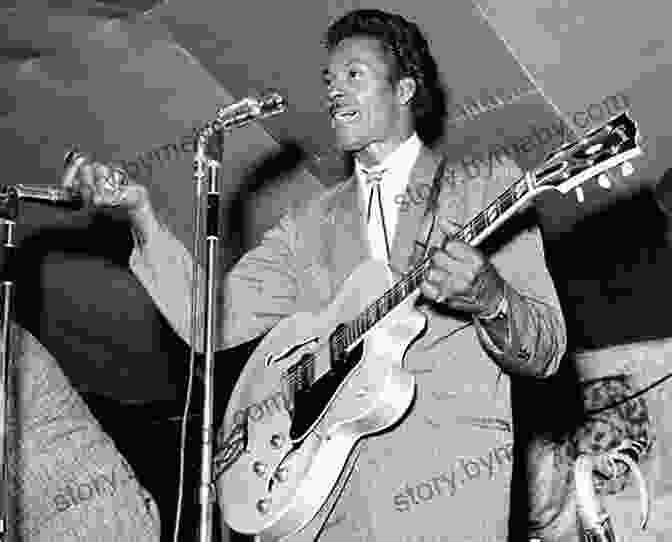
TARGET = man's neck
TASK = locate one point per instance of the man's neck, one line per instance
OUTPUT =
(372, 157)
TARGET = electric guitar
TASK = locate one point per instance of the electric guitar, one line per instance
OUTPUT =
(317, 383)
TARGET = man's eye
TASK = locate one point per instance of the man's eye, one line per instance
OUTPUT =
(355, 74)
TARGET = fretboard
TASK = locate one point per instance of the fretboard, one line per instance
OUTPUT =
(470, 233)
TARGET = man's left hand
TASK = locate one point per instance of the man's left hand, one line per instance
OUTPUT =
(462, 278)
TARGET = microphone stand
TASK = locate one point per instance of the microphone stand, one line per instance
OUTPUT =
(206, 170)
(9, 210)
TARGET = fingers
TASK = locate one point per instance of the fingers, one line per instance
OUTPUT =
(453, 243)
(73, 161)
(444, 284)
(452, 274)
(98, 184)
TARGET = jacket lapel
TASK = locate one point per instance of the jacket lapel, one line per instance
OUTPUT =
(411, 219)
(344, 232)
(344, 226)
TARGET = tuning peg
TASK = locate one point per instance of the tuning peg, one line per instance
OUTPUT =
(579, 194)
(627, 169)
(604, 181)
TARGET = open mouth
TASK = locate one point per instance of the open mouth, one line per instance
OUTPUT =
(344, 116)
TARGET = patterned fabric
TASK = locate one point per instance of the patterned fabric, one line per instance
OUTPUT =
(604, 428)
(67, 480)
(550, 461)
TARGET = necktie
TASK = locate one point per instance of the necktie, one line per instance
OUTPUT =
(376, 217)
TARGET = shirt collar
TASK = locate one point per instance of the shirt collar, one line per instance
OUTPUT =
(400, 161)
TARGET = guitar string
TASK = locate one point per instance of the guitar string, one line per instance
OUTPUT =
(353, 330)
(365, 320)
(479, 222)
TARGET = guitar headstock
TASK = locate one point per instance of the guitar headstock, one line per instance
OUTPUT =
(607, 146)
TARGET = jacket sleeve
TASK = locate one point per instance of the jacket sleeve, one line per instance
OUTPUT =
(537, 336)
(251, 298)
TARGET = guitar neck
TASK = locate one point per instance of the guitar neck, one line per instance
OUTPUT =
(567, 168)
(475, 231)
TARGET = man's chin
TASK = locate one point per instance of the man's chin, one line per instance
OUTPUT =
(348, 145)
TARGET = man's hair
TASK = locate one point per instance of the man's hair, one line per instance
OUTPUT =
(408, 55)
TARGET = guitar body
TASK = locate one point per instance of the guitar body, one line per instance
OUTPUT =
(281, 480)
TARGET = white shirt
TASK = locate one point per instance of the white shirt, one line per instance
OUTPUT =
(398, 165)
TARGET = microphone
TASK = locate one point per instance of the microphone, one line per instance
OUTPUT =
(49, 194)
(247, 110)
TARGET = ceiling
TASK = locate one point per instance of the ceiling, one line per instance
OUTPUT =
(130, 80)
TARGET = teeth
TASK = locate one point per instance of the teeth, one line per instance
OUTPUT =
(343, 115)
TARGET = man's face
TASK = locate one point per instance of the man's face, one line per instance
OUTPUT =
(368, 113)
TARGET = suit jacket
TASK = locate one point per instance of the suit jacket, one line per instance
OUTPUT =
(444, 472)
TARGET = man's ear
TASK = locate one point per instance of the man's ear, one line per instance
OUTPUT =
(406, 90)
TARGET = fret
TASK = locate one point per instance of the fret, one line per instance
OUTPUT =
(402, 290)
(405, 287)
(492, 214)
(367, 318)
(494, 211)
(520, 189)
(478, 224)
(395, 297)
(467, 233)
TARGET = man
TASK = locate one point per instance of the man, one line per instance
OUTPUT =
(450, 457)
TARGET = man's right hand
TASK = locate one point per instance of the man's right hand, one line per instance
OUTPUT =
(107, 185)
